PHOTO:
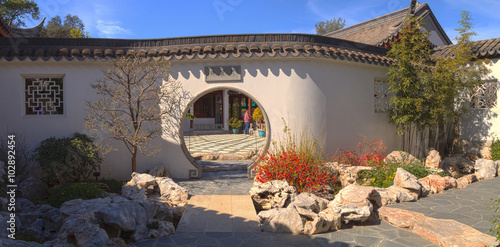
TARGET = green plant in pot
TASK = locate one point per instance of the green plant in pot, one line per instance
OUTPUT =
(235, 124)
(258, 116)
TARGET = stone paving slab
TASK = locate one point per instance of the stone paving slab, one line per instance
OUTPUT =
(218, 183)
(379, 234)
(467, 205)
(223, 143)
(219, 213)
(440, 231)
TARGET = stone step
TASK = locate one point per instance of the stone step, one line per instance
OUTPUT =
(219, 213)
(440, 231)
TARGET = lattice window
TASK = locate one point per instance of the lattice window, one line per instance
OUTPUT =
(382, 95)
(44, 96)
(486, 95)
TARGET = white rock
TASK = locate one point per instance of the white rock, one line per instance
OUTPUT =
(485, 169)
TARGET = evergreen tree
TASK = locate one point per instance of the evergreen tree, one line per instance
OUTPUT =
(14, 12)
(329, 26)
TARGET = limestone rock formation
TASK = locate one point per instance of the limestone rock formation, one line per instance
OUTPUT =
(272, 194)
(400, 157)
(485, 169)
(433, 159)
(406, 180)
(354, 203)
(159, 171)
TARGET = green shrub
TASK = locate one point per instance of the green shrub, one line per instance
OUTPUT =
(495, 150)
(112, 185)
(235, 123)
(383, 176)
(495, 219)
(67, 192)
(67, 159)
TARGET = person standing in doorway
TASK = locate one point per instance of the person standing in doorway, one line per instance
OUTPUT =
(246, 119)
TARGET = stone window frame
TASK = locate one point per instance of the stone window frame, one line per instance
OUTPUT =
(486, 95)
(61, 93)
(381, 95)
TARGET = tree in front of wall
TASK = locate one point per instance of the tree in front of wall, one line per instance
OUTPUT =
(430, 93)
(137, 98)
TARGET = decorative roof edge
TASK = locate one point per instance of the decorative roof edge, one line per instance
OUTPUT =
(28, 32)
(487, 48)
(208, 52)
(196, 47)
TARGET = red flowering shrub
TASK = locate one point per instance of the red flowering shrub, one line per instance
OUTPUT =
(370, 153)
(301, 170)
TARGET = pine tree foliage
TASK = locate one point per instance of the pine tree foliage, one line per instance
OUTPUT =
(331, 25)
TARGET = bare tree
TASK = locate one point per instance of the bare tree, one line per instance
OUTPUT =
(138, 97)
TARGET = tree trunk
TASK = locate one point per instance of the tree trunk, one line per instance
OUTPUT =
(134, 159)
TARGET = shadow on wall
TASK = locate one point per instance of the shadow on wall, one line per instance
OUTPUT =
(171, 125)
(273, 69)
(476, 127)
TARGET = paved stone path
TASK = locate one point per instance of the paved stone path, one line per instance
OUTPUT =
(224, 165)
(218, 183)
(223, 143)
(467, 205)
(236, 183)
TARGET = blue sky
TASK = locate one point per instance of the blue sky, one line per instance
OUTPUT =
(146, 19)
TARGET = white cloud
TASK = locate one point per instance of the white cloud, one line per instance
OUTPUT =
(111, 29)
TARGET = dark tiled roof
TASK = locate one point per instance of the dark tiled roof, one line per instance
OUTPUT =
(31, 32)
(8, 31)
(198, 47)
(488, 48)
(383, 29)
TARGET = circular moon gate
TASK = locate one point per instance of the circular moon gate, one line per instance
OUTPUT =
(214, 107)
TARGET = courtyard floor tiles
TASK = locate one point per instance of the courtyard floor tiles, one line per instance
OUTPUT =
(223, 143)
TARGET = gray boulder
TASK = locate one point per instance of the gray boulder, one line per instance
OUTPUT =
(123, 216)
(83, 230)
(406, 180)
(400, 157)
(458, 164)
(80, 207)
(32, 188)
(41, 221)
(130, 191)
(485, 169)
(283, 220)
(160, 229)
(172, 192)
(143, 180)
(159, 171)
(325, 221)
(272, 194)
(18, 243)
(402, 194)
(310, 201)
(353, 202)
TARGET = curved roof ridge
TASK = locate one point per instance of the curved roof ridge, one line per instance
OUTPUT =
(28, 32)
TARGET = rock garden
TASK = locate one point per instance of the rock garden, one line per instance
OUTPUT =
(296, 190)
(357, 185)
(66, 206)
